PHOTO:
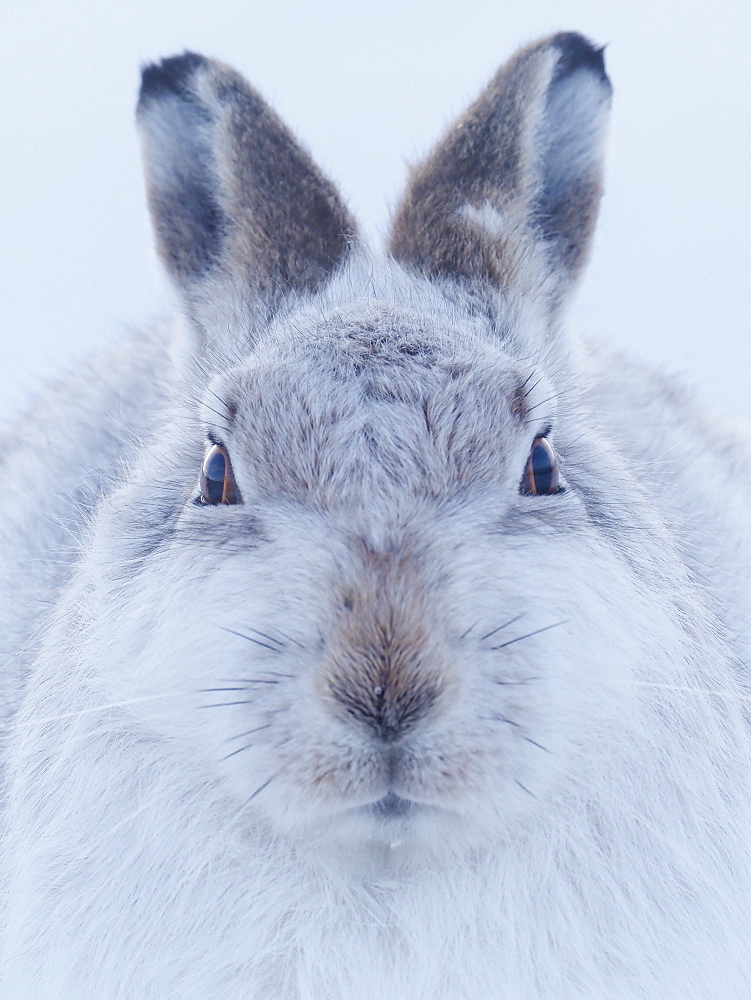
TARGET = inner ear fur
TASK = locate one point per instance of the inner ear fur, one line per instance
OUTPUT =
(509, 197)
(234, 198)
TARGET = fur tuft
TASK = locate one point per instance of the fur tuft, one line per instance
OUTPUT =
(576, 52)
(169, 77)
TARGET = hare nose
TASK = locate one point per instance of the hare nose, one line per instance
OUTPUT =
(388, 717)
(386, 664)
(390, 709)
(381, 693)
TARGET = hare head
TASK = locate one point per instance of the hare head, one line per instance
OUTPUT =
(377, 560)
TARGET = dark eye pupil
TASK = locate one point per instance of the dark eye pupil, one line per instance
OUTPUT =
(541, 473)
(542, 469)
(213, 471)
(217, 481)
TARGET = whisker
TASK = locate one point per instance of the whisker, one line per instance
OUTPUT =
(536, 744)
(556, 396)
(226, 704)
(212, 690)
(501, 627)
(258, 791)
(232, 754)
(87, 711)
(685, 688)
(258, 680)
(524, 788)
(274, 649)
(502, 718)
(522, 680)
(465, 634)
(542, 402)
(249, 732)
(222, 401)
(290, 639)
(252, 680)
(528, 635)
(222, 416)
(532, 387)
(269, 637)
(517, 725)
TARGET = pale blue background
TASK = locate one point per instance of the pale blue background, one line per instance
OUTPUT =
(369, 86)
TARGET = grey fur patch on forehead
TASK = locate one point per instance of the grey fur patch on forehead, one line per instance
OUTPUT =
(375, 306)
(382, 338)
(375, 401)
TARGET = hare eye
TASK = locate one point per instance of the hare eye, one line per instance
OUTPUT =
(217, 480)
(541, 474)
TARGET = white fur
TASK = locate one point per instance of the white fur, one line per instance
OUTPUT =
(583, 830)
(487, 218)
(574, 128)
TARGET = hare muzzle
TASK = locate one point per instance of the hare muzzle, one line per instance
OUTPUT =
(386, 670)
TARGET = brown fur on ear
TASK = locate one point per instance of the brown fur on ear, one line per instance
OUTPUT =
(510, 195)
(230, 189)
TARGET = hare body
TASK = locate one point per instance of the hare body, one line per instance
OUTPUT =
(385, 723)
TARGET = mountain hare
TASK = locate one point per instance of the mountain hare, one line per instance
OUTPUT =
(367, 636)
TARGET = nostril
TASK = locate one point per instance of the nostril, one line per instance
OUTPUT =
(389, 719)
(387, 733)
(382, 666)
(389, 710)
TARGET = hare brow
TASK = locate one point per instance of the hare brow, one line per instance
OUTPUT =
(214, 438)
(219, 415)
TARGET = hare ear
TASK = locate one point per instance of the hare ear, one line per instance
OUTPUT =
(239, 209)
(510, 195)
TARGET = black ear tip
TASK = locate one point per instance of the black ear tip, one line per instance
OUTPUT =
(577, 52)
(170, 76)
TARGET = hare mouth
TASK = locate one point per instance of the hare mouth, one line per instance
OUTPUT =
(393, 806)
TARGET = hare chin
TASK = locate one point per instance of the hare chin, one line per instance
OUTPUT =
(391, 832)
